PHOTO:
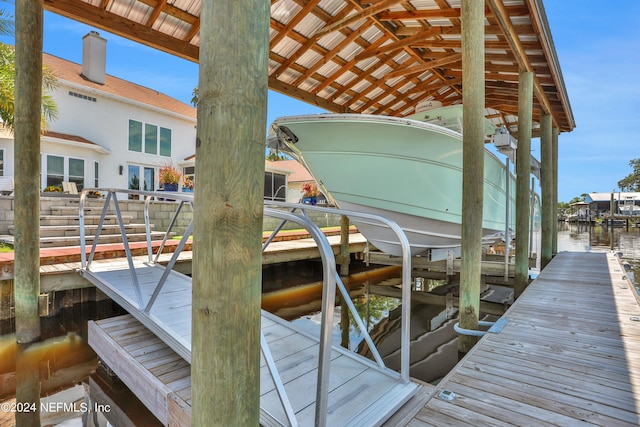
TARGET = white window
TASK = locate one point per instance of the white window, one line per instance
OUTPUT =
(62, 168)
(141, 178)
(275, 186)
(149, 138)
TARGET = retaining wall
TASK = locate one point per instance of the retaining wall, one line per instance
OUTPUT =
(160, 213)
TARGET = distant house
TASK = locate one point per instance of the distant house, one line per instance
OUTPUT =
(296, 176)
(601, 202)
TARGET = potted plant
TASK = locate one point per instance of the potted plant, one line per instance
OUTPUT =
(187, 185)
(52, 189)
(310, 190)
(169, 177)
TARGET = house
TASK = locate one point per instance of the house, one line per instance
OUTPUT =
(296, 176)
(109, 132)
(601, 202)
(112, 133)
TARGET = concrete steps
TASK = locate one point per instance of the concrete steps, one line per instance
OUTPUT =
(60, 226)
(60, 241)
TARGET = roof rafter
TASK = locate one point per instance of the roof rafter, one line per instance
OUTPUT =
(373, 56)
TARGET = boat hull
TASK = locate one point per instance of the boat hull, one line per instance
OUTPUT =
(408, 171)
(424, 234)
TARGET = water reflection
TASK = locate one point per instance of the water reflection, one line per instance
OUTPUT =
(39, 381)
(575, 237)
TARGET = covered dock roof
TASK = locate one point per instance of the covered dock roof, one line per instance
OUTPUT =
(374, 57)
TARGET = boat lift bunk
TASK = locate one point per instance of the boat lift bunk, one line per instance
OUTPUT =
(305, 379)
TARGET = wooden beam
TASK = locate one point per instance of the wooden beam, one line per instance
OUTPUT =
(546, 185)
(97, 17)
(402, 71)
(285, 30)
(28, 101)
(518, 47)
(523, 172)
(390, 47)
(441, 13)
(554, 141)
(156, 13)
(225, 351)
(353, 18)
(414, 15)
(472, 168)
(330, 55)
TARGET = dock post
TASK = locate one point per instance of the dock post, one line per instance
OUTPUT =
(344, 271)
(228, 210)
(28, 115)
(612, 206)
(554, 239)
(28, 101)
(472, 14)
(523, 170)
(344, 245)
(546, 182)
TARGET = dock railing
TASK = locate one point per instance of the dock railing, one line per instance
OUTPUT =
(328, 298)
(296, 213)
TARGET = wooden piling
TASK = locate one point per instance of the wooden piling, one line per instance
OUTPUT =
(234, 46)
(344, 246)
(523, 171)
(612, 208)
(472, 16)
(28, 101)
(554, 142)
(546, 183)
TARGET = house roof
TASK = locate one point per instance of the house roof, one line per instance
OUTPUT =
(380, 57)
(72, 72)
(294, 170)
(75, 140)
(298, 172)
(617, 195)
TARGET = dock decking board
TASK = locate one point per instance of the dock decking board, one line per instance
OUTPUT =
(569, 355)
(359, 392)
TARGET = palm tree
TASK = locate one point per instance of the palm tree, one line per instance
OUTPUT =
(8, 77)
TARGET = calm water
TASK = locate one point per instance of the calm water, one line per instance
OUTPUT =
(66, 362)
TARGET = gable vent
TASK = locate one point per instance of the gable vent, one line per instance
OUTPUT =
(81, 96)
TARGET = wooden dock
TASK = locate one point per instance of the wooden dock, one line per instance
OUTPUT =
(568, 355)
(151, 354)
(161, 379)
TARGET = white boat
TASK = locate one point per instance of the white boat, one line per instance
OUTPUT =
(628, 207)
(406, 169)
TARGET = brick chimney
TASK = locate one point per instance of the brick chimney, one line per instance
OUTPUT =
(94, 57)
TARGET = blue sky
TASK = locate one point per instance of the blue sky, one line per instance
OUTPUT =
(597, 47)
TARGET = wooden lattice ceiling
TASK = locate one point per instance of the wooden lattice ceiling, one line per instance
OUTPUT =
(372, 56)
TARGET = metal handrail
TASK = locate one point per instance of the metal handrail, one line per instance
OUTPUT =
(473, 332)
(328, 305)
(406, 276)
(330, 279)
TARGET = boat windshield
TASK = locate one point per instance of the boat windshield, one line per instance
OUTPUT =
(449, 117)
